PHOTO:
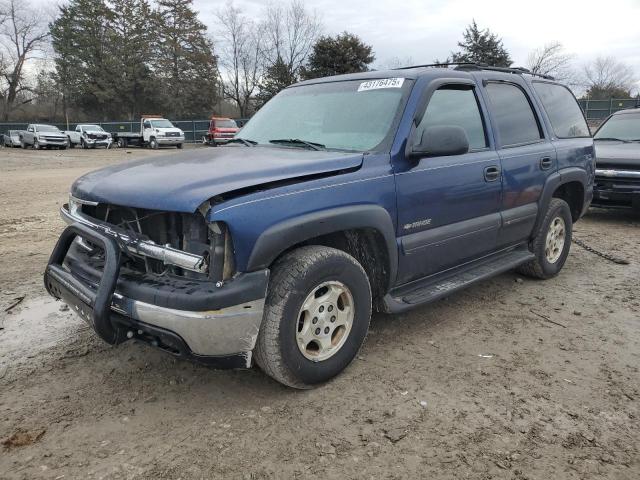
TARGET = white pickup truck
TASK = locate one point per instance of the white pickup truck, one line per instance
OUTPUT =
(155, 132)
(42, 136)
(88, 136)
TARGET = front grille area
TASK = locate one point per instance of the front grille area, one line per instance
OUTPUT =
(618, 166)
(97, 136)
(172, 134)
(183, 231)
(54, 139)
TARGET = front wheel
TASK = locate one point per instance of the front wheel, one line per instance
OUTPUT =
(551, 243)
(71, 144)
(179, 146)
(316, 317)
(153, 143)
(36, 144)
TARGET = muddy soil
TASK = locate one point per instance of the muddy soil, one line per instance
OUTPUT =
(512, 378)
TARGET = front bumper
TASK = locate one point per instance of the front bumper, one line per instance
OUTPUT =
(616, 188)
(98, 143)
(52, 143)
(170, 140)
(215, 325)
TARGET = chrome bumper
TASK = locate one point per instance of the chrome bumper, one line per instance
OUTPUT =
(216, 332)
(145, 248)
(609, 173)
(169, 140)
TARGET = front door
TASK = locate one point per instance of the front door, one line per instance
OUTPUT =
(449, 206)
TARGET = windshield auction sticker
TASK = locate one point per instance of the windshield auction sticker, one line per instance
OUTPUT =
(383, 83)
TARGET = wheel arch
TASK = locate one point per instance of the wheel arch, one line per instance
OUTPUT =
(569, 184)
(364, 231)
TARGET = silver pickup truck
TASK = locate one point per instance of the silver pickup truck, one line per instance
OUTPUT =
(88, 136)
(43, 136)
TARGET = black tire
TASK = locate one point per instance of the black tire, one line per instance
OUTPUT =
(36, 144)
(83, 144)
(71, 144)
(122, 143)
(541, 267)
(179, 146)
(293, 277)
(153, 143)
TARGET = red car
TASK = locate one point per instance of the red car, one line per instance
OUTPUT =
(221, 130)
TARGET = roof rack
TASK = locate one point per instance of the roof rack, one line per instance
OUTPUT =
(478, 66)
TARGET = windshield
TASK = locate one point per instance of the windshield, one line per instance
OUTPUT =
(350, 115)
(162, 123)
(624, 127)
(47, 128)
(225, 124)
(94, 128)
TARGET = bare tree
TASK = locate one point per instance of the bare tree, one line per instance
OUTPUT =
(23, 34)
(551, 60)
(240, 57)
(289, 33)
(607, 77)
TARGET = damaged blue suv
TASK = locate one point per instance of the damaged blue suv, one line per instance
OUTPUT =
(378, 191)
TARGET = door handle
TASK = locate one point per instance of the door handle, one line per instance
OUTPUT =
(545, 163)
(491, 174)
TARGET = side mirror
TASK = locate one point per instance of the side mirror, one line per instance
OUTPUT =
(440, 141)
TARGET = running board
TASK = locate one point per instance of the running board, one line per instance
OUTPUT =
(441, 285)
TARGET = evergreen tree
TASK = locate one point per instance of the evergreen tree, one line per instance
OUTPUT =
(184, 60)
(345, 53)
(86, 67)
(277, 77)
(482, 46)
(132, 37)
(66, 72)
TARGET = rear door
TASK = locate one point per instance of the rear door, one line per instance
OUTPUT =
(527, 155)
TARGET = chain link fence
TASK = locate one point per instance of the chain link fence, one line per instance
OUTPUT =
(598, 110)
(193, 130)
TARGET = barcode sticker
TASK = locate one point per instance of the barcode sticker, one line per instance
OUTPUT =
(383, 83)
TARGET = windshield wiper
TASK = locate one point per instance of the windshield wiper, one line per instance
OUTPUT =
(612, 139)
(297, 141)
(245, 141)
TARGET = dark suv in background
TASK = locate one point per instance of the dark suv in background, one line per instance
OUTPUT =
(618, 161)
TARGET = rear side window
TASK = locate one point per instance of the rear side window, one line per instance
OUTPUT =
(563, 110)
(459, 107)
(516, 121)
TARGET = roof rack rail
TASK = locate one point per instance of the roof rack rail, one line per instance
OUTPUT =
(478, 66)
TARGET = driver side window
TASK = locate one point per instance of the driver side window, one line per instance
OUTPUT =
(455, 105)
(147, 124)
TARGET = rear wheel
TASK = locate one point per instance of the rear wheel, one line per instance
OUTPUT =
(316, 316)
(122, 143)
(551, 243)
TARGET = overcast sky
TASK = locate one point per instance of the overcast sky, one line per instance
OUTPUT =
(428, 29)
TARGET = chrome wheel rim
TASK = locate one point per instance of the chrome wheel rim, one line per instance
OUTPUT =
(556, 236)
(324, 321)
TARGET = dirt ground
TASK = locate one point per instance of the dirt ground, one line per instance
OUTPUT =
(512, 378)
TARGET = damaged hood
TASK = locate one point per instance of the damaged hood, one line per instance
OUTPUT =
(182, 182)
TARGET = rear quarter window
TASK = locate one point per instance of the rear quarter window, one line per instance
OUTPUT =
(562, 109)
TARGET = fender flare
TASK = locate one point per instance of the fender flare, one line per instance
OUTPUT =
(281, 236)
(555, 180)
